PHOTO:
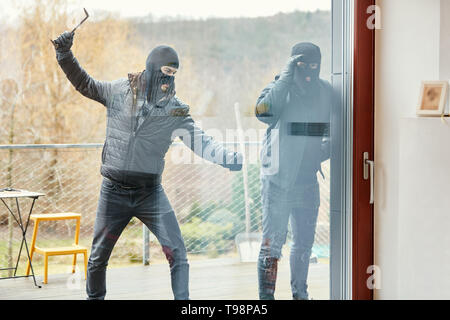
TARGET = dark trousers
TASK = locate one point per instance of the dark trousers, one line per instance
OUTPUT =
(301, 206)
(115, 209)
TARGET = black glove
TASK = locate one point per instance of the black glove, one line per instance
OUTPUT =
(233, 161)
(287, 75)
(63, 44)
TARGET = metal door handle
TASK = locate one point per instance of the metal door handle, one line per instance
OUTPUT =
(369, 166)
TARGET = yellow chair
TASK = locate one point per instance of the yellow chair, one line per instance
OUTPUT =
(74, 249)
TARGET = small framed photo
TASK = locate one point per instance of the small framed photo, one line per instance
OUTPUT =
(433, 98)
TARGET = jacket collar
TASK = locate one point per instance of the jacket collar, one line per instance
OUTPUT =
(137, 82)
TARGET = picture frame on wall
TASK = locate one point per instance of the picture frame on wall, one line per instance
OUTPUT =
(433, 98)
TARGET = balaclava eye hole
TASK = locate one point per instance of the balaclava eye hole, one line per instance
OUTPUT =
(158, 57)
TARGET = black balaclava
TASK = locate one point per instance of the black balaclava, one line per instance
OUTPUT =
(158, 57)
(311, 54)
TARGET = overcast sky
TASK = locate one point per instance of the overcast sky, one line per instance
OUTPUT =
(187, 8)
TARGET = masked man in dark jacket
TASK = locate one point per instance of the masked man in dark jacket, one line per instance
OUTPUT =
(296, 106)
(143, 118)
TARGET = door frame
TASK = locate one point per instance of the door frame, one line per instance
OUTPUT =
(363, 141)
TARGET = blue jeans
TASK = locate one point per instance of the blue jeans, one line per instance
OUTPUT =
(300, 205)
(115, 209)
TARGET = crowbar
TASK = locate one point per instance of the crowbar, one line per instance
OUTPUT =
(85, 18)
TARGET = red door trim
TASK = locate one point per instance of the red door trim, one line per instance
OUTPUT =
(363, 141)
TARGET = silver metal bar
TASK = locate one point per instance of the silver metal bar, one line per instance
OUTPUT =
(365, 166)
(50, 146)
(368, 173)
(372, 185)
(145, 245)
(349, 84)
(244, 168)
(98, 145)
(341, 184)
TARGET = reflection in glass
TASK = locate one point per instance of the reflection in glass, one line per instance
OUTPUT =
(296, 106)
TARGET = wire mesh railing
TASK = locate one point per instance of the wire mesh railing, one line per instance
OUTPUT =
(208, 201)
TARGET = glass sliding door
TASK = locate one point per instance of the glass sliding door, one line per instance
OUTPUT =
(341, 151)
(287, 216)
(275, 84)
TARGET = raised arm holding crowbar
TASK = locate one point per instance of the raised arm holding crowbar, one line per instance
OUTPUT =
(73, 30)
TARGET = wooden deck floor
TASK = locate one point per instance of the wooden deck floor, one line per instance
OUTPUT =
(215, 279)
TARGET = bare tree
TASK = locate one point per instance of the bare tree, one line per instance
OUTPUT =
(51, 111)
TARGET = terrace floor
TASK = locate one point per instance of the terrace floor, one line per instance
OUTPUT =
(213, 279)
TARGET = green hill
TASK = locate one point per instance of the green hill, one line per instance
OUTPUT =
(226, 60)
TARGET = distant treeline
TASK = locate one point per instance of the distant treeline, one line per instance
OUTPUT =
(234, 58)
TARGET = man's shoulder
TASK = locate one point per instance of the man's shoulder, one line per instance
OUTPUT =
(326, 84)
(272, 83)
(131, 82)
(119, 85)
(176, 101)
(178, 107)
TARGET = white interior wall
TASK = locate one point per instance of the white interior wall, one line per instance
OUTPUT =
(445, 40)
(424, 221)
(407, 52)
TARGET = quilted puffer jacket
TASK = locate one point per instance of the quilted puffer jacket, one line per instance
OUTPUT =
(134, 148)
(297, 140)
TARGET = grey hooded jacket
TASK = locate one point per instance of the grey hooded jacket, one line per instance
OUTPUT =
(286, 156)
(133, 152)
